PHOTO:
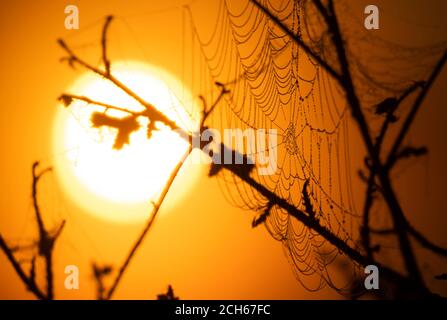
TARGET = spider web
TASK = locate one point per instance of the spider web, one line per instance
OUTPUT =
(274, 84)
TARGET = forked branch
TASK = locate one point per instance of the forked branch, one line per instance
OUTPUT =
(235, 169)
(45, 245)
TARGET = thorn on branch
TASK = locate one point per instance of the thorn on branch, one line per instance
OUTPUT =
(169, 295)
(263, 216)
(387, 106)
(306, 200)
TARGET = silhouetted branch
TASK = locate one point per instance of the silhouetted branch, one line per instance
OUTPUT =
(264, 215)
(46, 240)
(365, 228)
(67, 100)
(148, 225)
(151, 112)
(425, 242)
(161, 198)
(45, 245)
(153, 115)
(242, 171)
(388, 107)
(105, 60)
(27, 280)
(414, 110)
(99, 272)
(207, 111)
(376, 168)
(442, 276)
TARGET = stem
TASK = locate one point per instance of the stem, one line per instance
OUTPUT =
(414, 110)
(148, 225)
(22, 275)
(388, 192)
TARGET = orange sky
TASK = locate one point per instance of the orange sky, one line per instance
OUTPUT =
(203, 250)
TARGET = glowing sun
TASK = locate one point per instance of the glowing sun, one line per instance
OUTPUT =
(119, 185)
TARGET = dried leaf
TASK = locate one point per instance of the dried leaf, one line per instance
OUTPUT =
(409, 151)
(66, 100)
(442, 276)
(388, 105)
(125, 126)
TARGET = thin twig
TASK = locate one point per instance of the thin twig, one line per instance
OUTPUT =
(46, 241)
(425, 242)
(45, 245)
(153, 113)
(390, 117)
(365, 229)
(31, 285)
(414, 110)
(388, 192)
(105, 60)
(70, 97)
(207, 111)
(148, 225)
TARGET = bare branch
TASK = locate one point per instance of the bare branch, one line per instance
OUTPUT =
(68, 98)
(390, 117)
(414, 110)
(365, 228)
(376, 167)
(105, 60)
(148, 225)
(425, 242)
(151, 111)
(99, 272)
(45, 245)
(207, 111)
(169, 295)
(31, 285)
(396, 211)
